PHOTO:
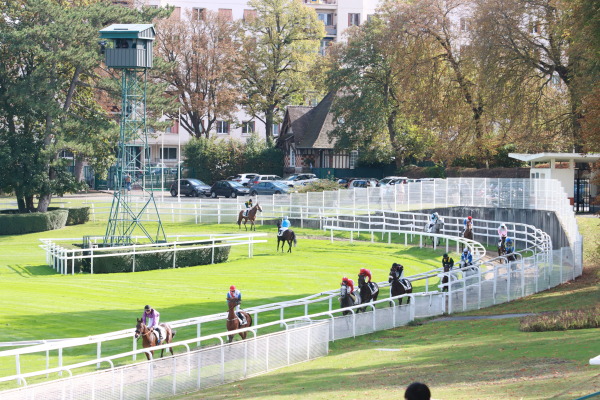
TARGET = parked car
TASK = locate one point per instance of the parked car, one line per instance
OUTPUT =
(269, 187)
(362, 183)
(300, 179)
(190, 187)
(160, 168)
(262, 178)
(392, 180)
(228, 189)
(243, 179)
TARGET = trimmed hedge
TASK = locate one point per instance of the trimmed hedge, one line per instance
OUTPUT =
(17, 224)
(147, 262)
(77, 215)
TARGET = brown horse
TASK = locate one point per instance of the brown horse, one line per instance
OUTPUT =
(233, 322)
(468, 233)
(286, 236)
(250, 217)
(149, 336)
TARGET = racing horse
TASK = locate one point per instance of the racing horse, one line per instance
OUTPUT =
(233, 321)
(250, 217)
(286, 236)
(346, 299)
(366, 294)
(468, 233)
(502, 247)
(399, 284)
(150, 336)
(434, 228)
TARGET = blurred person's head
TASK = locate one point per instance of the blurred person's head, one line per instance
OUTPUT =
(417, 391)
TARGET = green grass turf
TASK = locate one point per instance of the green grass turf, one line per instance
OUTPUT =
(38, 303)
(459, 360)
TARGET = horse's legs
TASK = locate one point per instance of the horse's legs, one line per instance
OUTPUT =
(230, 338)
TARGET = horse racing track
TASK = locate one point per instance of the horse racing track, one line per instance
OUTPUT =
(536, 267)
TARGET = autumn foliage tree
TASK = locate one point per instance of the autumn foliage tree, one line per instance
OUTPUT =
(201, 53)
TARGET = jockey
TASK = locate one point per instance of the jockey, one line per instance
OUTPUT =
(447, 262)
(150, 318)
(350, 284)
(398, 270)
(284, 225)
(435, 217)
(509, 246)
(502, 231)
(248, 205)
(237, 296)
(367, 274)
(466, 258)
(466, 222)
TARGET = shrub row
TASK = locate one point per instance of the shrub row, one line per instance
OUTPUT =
(152, 261)
(17, 224)
(78, 216)
(562, 320)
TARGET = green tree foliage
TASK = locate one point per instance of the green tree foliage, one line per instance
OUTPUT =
(280, 45)
(48, 62)
(372, 110)
(211, 159)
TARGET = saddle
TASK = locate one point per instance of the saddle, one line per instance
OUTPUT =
(160, 334)
(241, 317)
(406, 283)
(373, 288)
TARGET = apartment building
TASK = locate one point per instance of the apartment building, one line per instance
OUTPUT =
(337, 15)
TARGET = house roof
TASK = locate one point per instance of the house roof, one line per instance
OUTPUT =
(128, 31)
(310, 125)
(546, 157)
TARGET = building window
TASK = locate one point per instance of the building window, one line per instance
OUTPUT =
(326, 18)
(169, 153)
(198, 14)
(174, 128)
(353, 19)
(226, 14)
(249, 15)
(353, 159)
(275, 130)
(325, 44)
(292, 158)
(247, 127)
(223, 127)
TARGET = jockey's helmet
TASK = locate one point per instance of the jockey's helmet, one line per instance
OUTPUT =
(362, 271)
(503, 225)
(285, 218)
(147, 307)
(232, 288)
(469, 218)
(345, 279)
(445, 255)
(508, 240)
(466, 250)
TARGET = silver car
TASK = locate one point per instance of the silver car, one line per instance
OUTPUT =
(269, 187)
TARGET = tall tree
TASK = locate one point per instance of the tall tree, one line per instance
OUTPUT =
(202, 52)
(280, 44)
(373, 74)
(51, 56)
(533, 39)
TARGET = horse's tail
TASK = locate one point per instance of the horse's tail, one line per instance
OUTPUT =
(239, 221)
(295, 241)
